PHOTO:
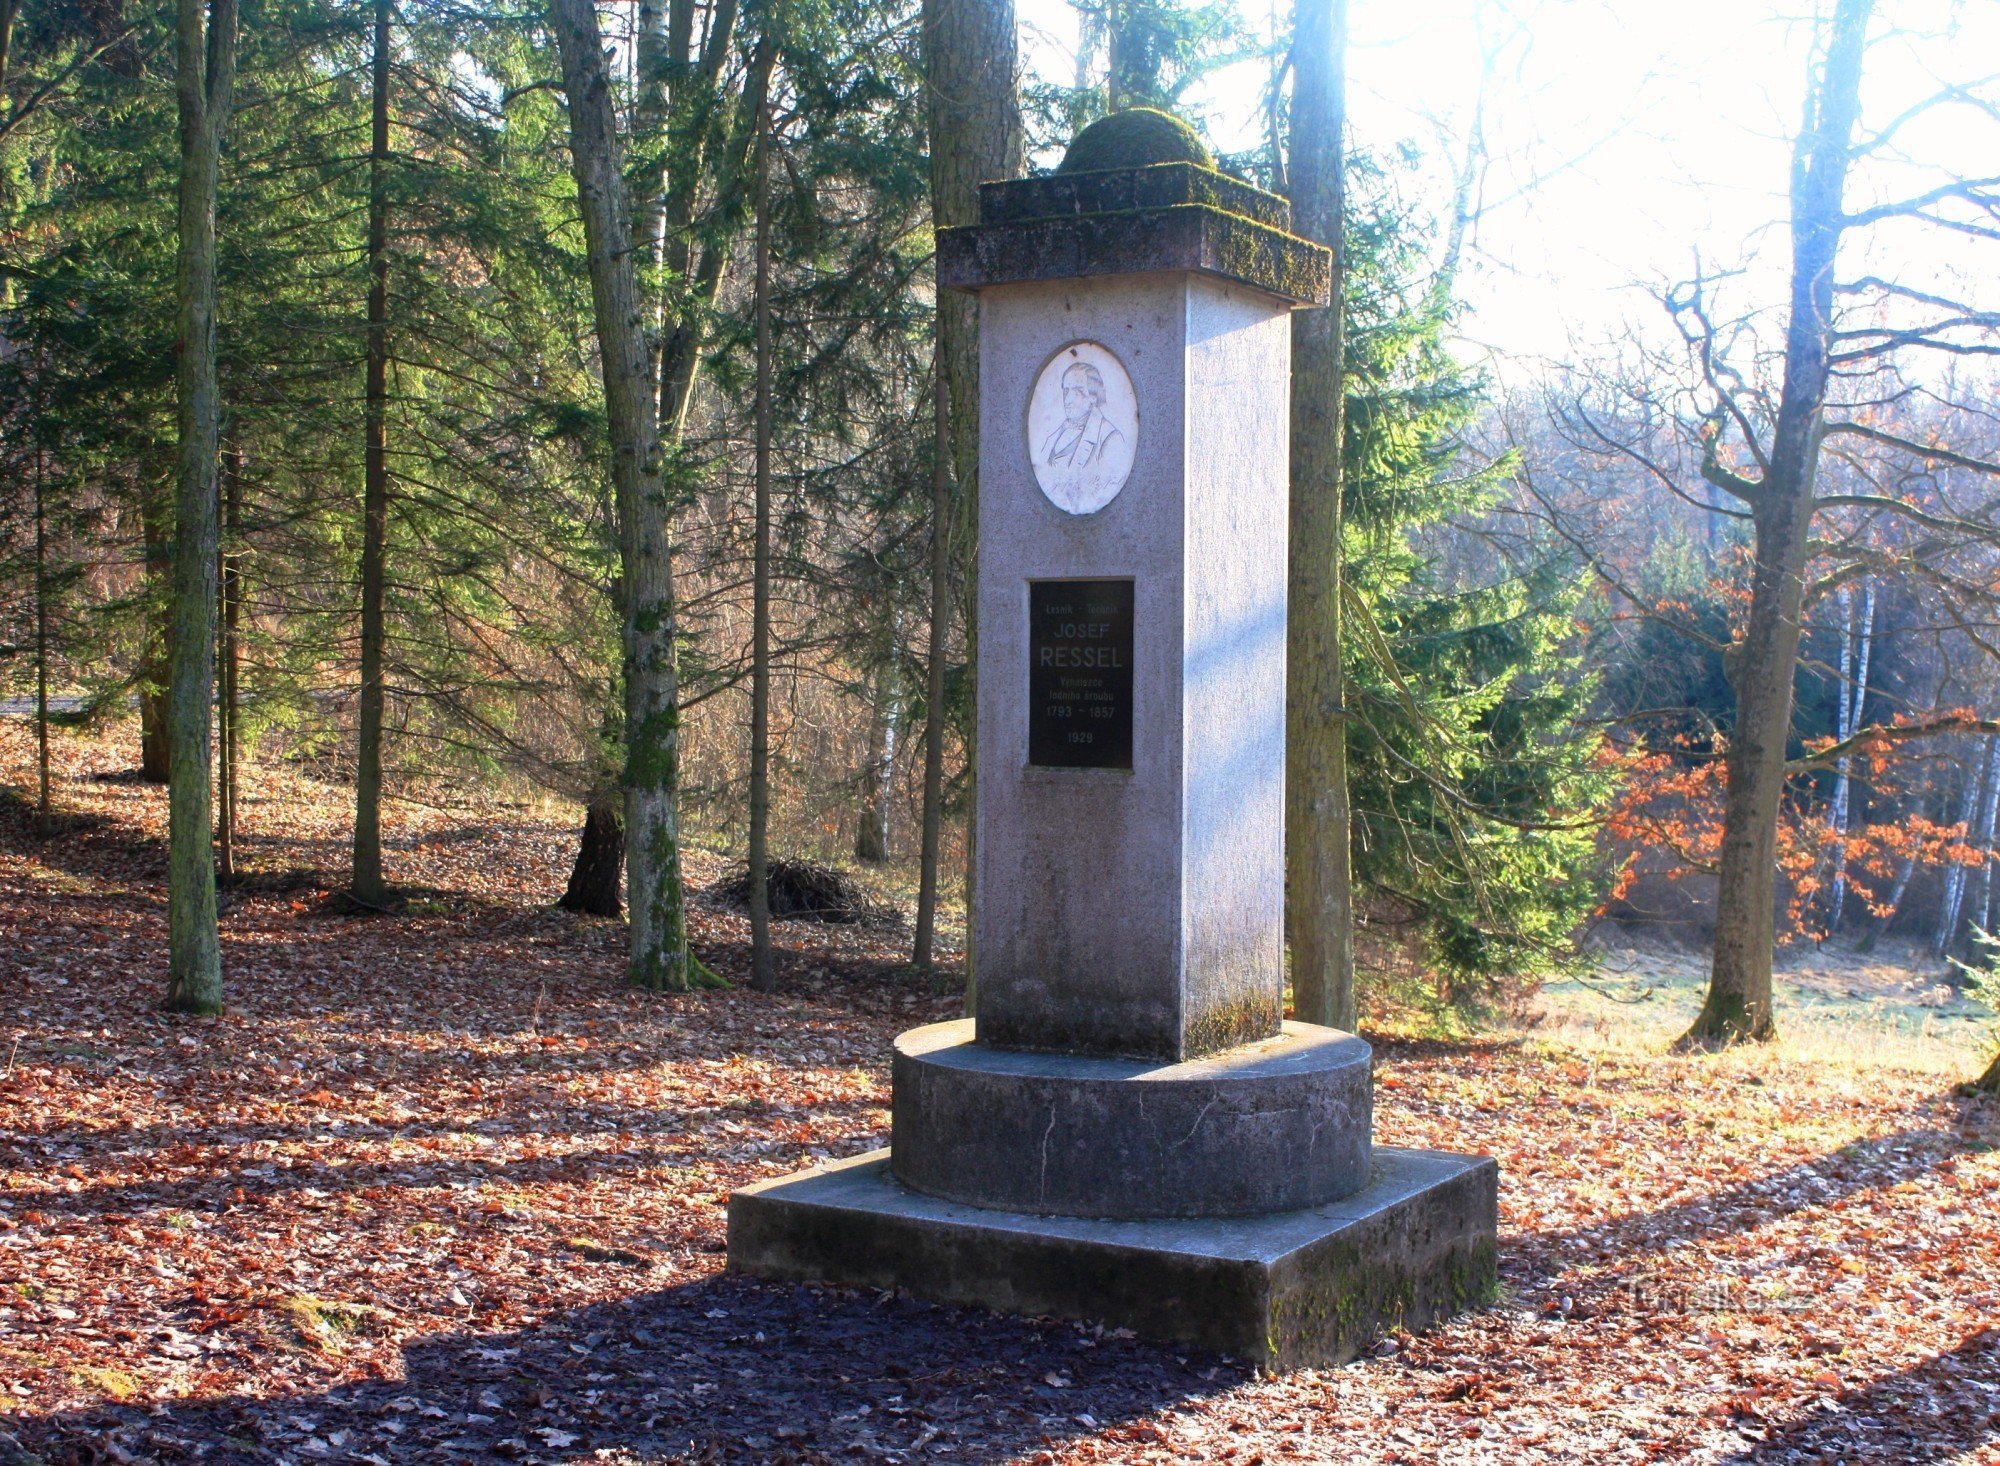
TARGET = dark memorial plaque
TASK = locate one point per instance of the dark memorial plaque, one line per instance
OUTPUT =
(1080, 674)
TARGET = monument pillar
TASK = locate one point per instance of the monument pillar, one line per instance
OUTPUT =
(1132, 655)
(1128, 1130)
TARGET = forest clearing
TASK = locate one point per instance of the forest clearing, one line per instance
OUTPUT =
(999, 731)
(442, 1187)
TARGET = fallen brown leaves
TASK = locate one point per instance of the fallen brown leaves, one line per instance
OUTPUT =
(440, 1188)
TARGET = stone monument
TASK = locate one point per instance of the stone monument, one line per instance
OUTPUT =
(1128, 1130)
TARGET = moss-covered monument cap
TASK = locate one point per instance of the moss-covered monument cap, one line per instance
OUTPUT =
(1135, 138)
(1136, 192)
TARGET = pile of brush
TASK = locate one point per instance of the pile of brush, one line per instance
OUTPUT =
(802, 891)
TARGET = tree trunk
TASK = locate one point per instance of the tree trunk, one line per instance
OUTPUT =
(1762, 664)
(763, 974)
(871, 837)
(600, 859)
(206, 60)
(367, 873)
(229, 704)
(659, 956)
(704, 150)
(1853, 703)
(1092, 33)
(1319, 862)
(156, 528)
(976, 136)
(1894, 904)
(1977, 778)
(1274, 122)
(9, 9)
(1989, 1082)
(1989, 815)
(156, 750)
(1131, 77)
(41, 643)
(934, 719)
(1738, 1005)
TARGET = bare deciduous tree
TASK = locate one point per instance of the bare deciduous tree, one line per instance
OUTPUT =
(1754, 450)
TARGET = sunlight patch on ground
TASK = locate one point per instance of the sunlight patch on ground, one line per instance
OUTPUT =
(1890, 1009)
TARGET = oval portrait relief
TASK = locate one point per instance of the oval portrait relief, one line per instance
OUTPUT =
(1083, 423)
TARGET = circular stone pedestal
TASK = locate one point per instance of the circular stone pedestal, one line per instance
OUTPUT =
(1273, 1126)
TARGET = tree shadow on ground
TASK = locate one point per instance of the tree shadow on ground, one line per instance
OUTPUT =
(83, 842)
(1403, 1049)
(109, 852)
(723, 1370)
(1862, 1165)
(1945, 1405)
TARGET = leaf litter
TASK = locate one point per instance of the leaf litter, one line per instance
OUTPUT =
(439, 1187)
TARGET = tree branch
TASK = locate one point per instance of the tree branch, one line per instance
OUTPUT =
(1891, 733)
(1968, 190)
(1920, 450)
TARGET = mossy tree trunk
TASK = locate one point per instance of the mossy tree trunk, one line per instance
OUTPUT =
(206, 58)
(1319, 867)
(659, 956)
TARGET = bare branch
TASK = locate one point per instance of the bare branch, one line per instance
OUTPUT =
(1927, 452)
(1965, 95)
(1617, 445)
(1977, 191)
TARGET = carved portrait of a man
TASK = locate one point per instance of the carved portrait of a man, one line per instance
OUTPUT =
(1082, 420)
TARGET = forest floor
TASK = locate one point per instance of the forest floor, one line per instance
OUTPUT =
(439, 1187)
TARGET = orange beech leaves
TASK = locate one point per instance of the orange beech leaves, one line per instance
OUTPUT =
(1670, 803)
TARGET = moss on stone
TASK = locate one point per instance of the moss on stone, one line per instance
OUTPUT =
(1249, 1019)
(1361, 1292)
(1273, 260)
(1135, 138)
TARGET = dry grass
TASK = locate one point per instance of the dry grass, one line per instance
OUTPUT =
(1847, 1013)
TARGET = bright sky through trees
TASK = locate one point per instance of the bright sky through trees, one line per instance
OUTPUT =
(1625, 136)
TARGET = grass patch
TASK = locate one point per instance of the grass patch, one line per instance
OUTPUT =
(599, 1252)
(1841, 1017)
(116, 1384)
(327, 1324)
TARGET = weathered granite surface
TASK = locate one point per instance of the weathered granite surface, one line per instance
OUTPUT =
(1146, 1142)
(1195, 237)
(1139, 912)
(1263, 1127)
(1291, 1290)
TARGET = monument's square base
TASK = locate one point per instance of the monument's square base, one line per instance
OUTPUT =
(1290, 1290)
